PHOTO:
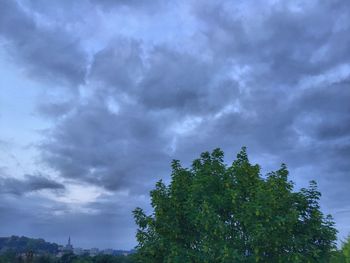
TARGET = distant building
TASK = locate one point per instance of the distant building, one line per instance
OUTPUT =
(65, 249)
(78, 251)
(108, 251)
(94, 252)
(60, 251)
(69, 247)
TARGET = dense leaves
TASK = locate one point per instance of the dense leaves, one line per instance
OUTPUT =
(342, 255)
(212, 212)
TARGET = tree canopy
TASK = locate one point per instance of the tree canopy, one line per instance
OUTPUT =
(212, 212)
(342, 255)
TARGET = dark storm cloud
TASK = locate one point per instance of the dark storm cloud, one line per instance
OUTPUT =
(54, 109)
(43, 52)
(131, 148)
(271, 112)
(118, 66)
(139, 6)
(162, 79)
(329, 107)
(31, 183)
(180, 81)
(107, 149)
(287, 44)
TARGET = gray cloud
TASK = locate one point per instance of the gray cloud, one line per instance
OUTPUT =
(118, 66)
(135, 5)
(54, 109)
(43, 52)
(183, 82)
(31, 183)
(278, 37)
(111, 150)
(162, 78)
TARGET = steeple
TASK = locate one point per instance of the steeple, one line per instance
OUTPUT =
(69, 246)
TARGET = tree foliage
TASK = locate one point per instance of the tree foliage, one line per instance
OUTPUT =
(212, 212)
(342, 255)
(346, 250)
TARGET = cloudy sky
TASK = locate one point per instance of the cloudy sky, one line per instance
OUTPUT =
(97, 97)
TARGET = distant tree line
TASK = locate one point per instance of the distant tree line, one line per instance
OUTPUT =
(11, 257)
(16, 249)
(25, 244)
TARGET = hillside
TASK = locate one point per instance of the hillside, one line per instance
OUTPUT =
(24, 244)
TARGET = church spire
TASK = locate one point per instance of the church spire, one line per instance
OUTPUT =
(69, 246)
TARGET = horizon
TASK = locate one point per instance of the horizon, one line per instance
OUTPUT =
(72, 243)
(97, 98)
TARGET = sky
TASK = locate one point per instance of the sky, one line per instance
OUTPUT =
(97, 98)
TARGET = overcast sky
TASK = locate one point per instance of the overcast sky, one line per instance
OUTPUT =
(97, 97)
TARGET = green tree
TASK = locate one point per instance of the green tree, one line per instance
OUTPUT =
(8, 256)
(346, 250)
(44, 259)
(342, 255)
(68, 258)
(212, 212)
(337, 257)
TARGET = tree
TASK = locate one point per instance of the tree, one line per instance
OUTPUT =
(212, 212)
(346, 249)
(342, 255)
(68, 257)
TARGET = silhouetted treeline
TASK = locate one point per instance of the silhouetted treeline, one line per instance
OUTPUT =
(11, 257)
(25, 244)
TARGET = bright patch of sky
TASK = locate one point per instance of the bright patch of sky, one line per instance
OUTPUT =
(19, 122)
